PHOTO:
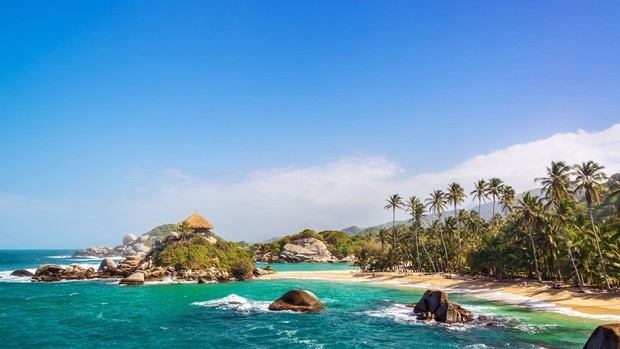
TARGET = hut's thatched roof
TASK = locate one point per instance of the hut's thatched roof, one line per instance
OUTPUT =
(196, 221)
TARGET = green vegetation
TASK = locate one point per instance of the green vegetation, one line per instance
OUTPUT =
(571, 233)
(198, 253)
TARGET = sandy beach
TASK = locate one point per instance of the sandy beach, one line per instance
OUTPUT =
(593, 303)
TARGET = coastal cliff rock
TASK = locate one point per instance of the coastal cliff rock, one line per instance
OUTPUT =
(434, 304)
(306, 250)
(298, 301)
(604, 337)
(50, 272)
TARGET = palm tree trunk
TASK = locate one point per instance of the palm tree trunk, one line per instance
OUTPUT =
(393, 228)
(572, 259)
(598, 247)
(458, 234)
(428, 256)
(535, 258)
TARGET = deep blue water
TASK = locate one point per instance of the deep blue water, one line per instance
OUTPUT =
(95, 314)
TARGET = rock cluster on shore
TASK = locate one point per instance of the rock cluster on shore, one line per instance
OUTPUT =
(435, 305)
(132, 245)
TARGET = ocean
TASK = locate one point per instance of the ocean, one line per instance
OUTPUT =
(102, 314)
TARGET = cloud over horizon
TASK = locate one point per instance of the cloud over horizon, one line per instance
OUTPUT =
(352, 190)
(281, 201)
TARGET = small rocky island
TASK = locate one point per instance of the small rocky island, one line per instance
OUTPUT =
(190, 253)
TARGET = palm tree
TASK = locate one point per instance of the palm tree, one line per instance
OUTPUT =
(382, 236)
(507, 198)
(494, 189)
(529, 212)
(556, 188)
(456, 196)
(184, 229)
(588, 177)
(480, 193)
(417, 211)
(394, 202)
(436, 204)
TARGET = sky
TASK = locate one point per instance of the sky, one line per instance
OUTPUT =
(270, 117)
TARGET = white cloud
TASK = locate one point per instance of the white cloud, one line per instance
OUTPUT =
(353, 190)
(276, 202)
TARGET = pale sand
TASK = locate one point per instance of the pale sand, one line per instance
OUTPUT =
(602, 305)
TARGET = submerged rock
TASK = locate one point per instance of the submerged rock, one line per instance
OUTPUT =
(298, 301)
(22, 273)
(604, 337)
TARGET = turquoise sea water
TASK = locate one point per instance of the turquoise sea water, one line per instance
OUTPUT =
(96, 314)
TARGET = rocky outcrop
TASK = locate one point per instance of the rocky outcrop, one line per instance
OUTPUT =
(50, 272)
(604, 337)
(132, 245)
(434, 304)
(306, 250)
(298, 301)
(22, 273)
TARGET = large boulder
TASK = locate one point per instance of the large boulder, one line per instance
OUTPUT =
(604, 337)
(298, 301)
(48, 272)
(133, 279)
(306, 250)
(107, 265)
(22, 273)
(129, 239)
(434, 304)
(450, 312)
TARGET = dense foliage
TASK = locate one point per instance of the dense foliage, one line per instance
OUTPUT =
(198, 253)
(570, 233)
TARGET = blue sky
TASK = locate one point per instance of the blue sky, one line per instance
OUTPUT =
(119, 116)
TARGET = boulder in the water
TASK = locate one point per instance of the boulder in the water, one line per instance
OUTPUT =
(22, 273)
(434, 304)
(604, 337)
(133, 279)
(298, 301)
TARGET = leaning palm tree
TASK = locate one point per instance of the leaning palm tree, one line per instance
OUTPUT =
(394, 202)
(417, 211)
(436, 204)
(557, 187)
(382, 236)
(588, 178)
(480, 192)
(456, 196)
(529, 212)
(494, 189)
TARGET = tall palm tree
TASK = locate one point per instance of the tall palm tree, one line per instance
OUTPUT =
(494, 189)
(417, 211)
(436, 204)
(394, 202)
(557, 187)
(456, 196)
(382, 236)
(507, 198)
(529, 211)
(480, 192)
(588, 178)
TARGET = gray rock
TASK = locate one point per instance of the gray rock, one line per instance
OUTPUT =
(604, 337)
(133, 279)
(434, 304)
(144, 238)
(107, 264)
(22, 273)
(298, 301)
(306, 250)
(450, 312)
(128, 239)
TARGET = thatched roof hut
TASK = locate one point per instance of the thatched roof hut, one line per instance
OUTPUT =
(199, 224)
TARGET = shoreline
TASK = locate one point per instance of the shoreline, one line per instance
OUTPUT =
(597, 305)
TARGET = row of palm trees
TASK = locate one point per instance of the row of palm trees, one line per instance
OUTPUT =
(526, 237)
